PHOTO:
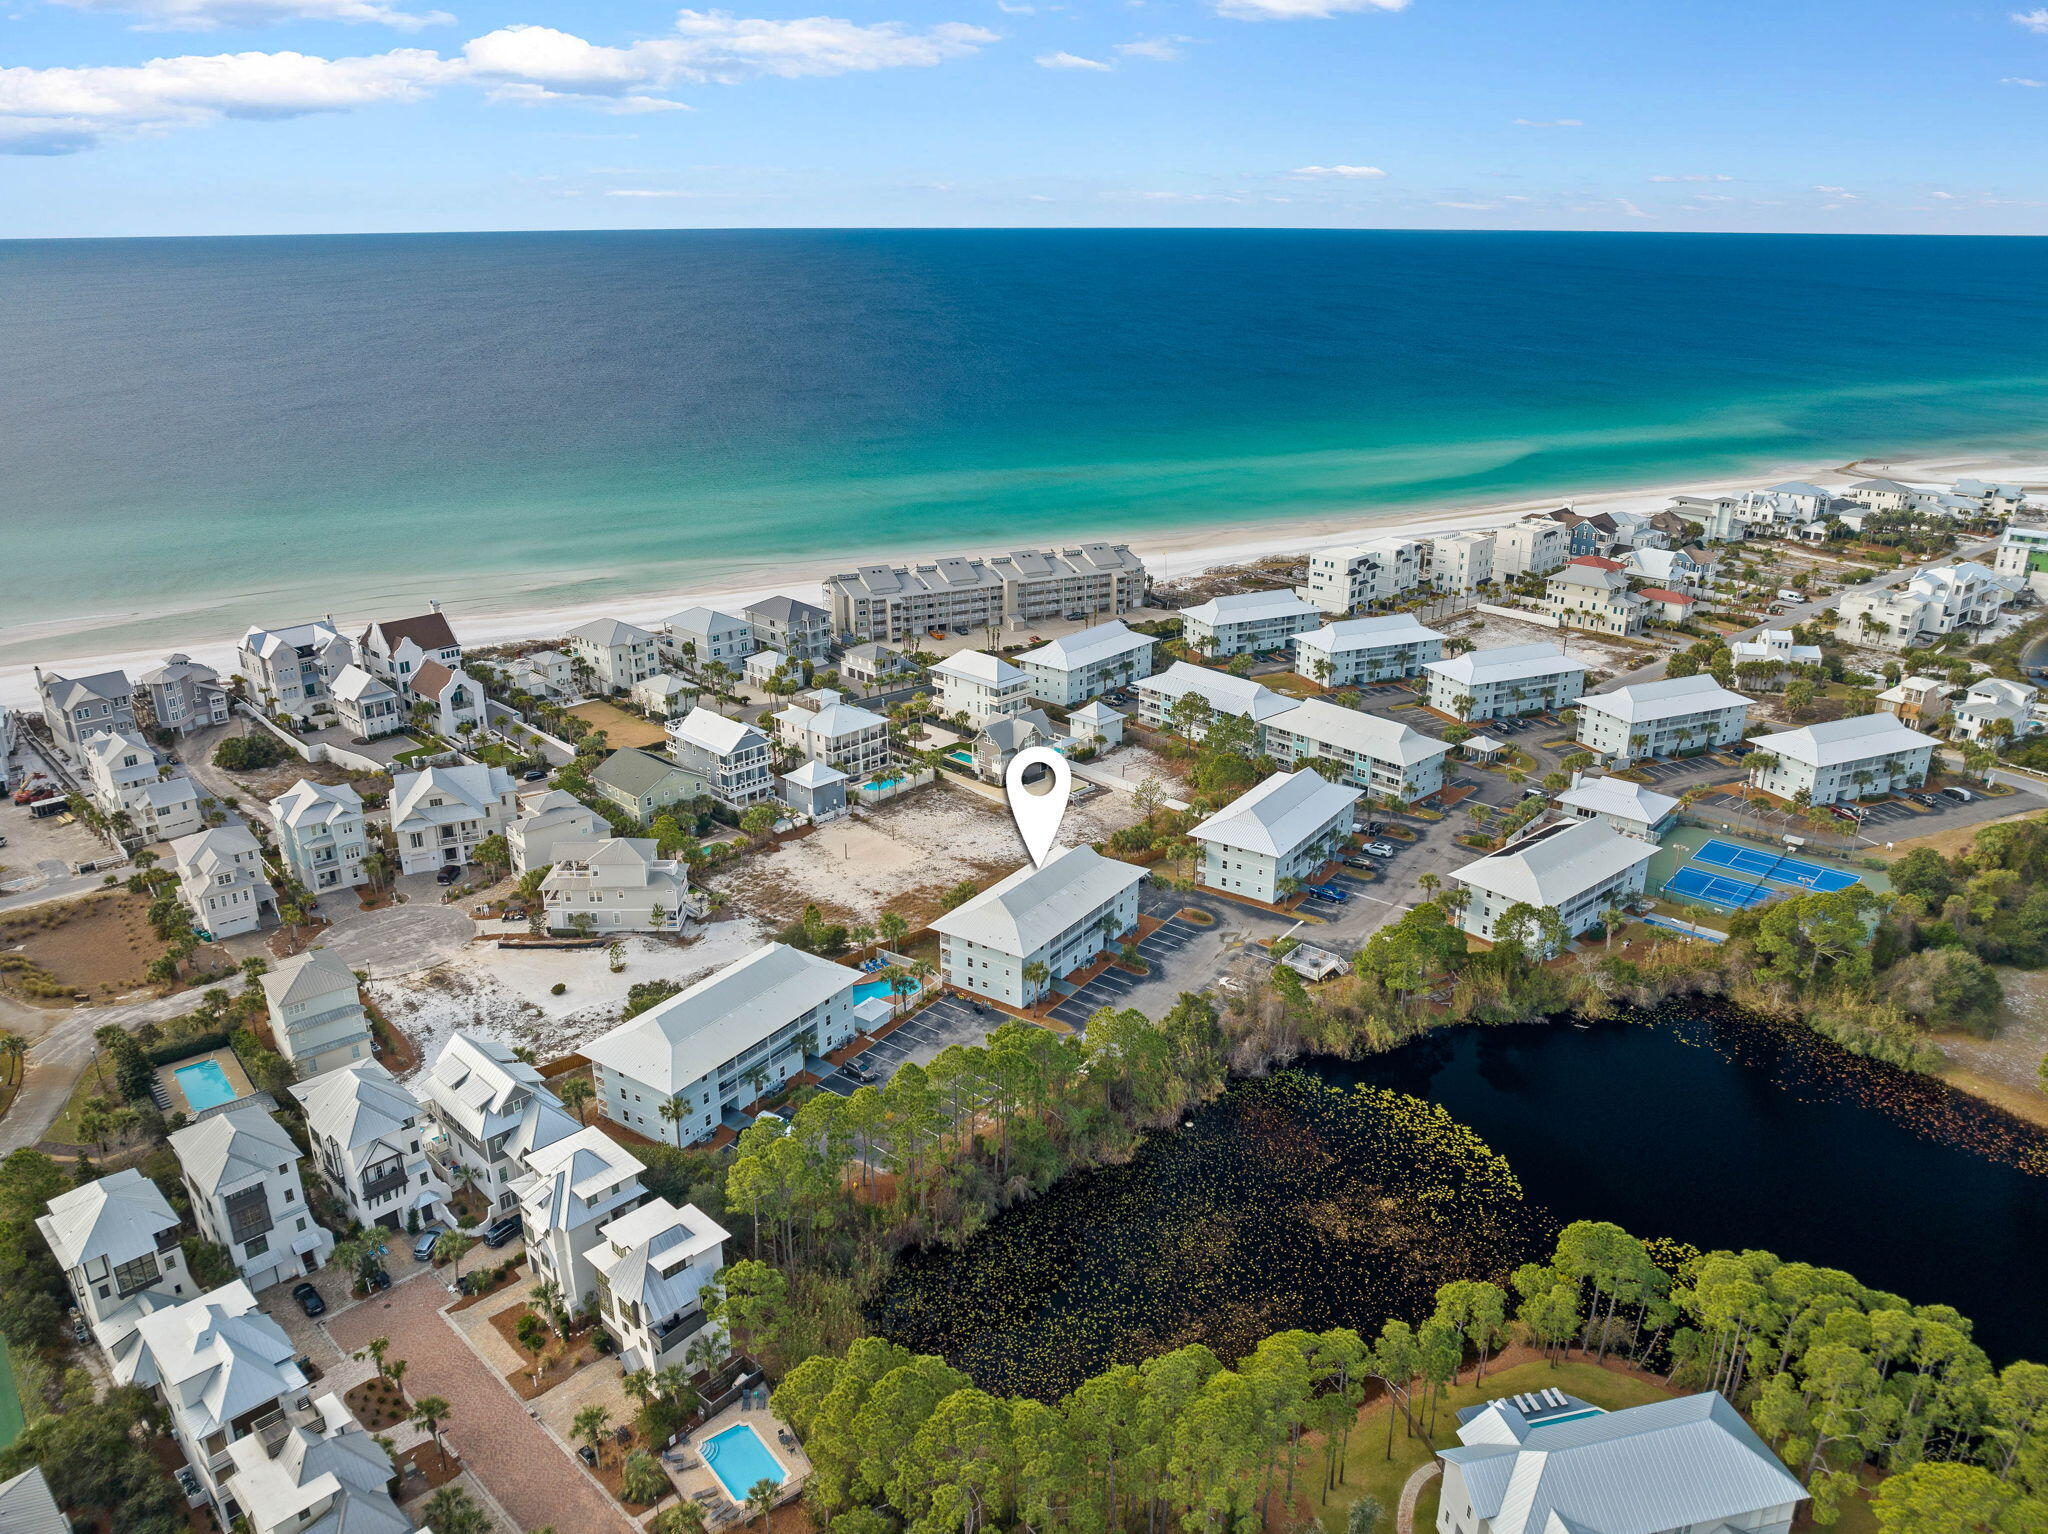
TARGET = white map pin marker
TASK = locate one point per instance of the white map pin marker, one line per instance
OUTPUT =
(1040, 803)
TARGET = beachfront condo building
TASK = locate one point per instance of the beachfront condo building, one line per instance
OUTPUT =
(1627, 807)
(181, 696)
(222, 883)
(291, 671)
(368, 1136)
(1662, 718)
(316, 1013)
(651, 1267)
(124, 777)
(824, 727)
(1535, 546)
(552, 818)
(981, 687)
(440, 815)
(1162, 705)
(1461, 561)
(1578, 868)
(615, 885)
(242, 1172)
(1068, 671)
(698, 636)
(1387, 759)
(797, 629)
(1266, 844)
(734, 1037)
(1049, 921)
(117, 1241)
(397, 650)
(317, 1472)
(1496, 684)
(1249, 621)
(959, 595)
(1842, 759)
(1932, 604)
(1354, 650)
(1591, 592)
(730, 758)
(366, 706)
(1354, 576)
(490, 1110)
(642, 783)
(612, 653)
(572, 1190)
(76, 708)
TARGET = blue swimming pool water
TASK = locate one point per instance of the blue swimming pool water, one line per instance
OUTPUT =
(868, 990)
(205, 1084)
(741, 1460)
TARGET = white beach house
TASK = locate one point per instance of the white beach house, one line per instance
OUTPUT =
(1593, 593)
(651, 1267)
(76, 708)
(222, 883)
(571, 1191)
(317, 1472)
(981, 686)
(1266, 843)
(1500, 684)
(117, 1241)
(490, 1110)
(1578, 868)
(699, 636)
(1386, 758)
(1993, 699)
(368, 1135)
(1930, 605)
(396, 650)
(797, 629)
(291, 670)
(440, 815)
(1461, 561)
(124, 777)
(1069, 671)
(1052, 920)
(552, 818)
(616, 654)
(1533, 546)
(181, 695)
(367, 706)
(1354, 650)
(824, 727)
(1842, 759)
(322, 836)
(242, 1172)
(1661, 718)
(316, 1012)
(1253, 620)
(614, 885)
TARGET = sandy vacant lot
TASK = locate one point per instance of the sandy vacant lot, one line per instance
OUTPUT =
(902, 856)
(1598, 654)
(620, 728)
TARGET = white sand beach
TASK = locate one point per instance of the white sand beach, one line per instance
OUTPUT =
(480, 622)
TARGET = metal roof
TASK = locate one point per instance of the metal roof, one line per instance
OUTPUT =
(1021, 914)
(1280, 815)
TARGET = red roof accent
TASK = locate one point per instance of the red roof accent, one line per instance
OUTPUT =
(1596, 562)
(1660, 594)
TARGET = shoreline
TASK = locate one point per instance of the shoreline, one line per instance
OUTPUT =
(1168, 558)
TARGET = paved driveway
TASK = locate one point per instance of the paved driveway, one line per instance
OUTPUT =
(938, 1026)
(528, 1472)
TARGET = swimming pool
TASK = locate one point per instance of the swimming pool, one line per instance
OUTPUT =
(869, 990)
(205, 1084)
(741, 1461)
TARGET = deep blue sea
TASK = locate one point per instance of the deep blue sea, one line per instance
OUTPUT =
(195, 434)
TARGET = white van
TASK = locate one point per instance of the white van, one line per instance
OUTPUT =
(1790, 596)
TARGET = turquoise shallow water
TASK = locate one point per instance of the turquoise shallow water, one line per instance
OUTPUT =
(227, 430)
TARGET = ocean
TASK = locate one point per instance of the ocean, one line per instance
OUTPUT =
(197, 434)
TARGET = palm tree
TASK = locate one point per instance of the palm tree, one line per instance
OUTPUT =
(761, 1499)
(592, 1425)
(893, 927)
(12, 1048)
(452, 1246)
(673, 1111)
(1035, 976)
(575, 1093)
(684, 1518)
(640, 1385)
(429, 1412)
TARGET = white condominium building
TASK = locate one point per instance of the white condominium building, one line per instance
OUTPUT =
(1056, 918)
(1578, 868)
(905, 602)
(1931, 604)
(698, 636)
(1254, 620)
(440, 815)
(618, 884)
(1387, 759)
(651, 1268)
(1663, 718)
(117, 1241)
(1268, 842)
(242, 1171)
(981, 686)
(1842, 759)
(617, 654)
(222, 883)
(292, 670)
(1534, 547)
(316, 1013)
(729, 1040)
(490, 1111)
(1069, 671)
(321, 834)
(1516, 679)
(1344, 579)
(1354, 650)
(368, 1133)
(1219, 691)
(1461, 561)
(731, 757)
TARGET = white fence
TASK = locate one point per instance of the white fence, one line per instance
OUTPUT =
(1519, 614)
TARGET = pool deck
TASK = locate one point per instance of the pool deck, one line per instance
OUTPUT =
(230, 1065)
(693, 1477)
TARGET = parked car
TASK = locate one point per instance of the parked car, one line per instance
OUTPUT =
(1370, 865)
(80, 1332)
(448, 873)
(309, 1299)
(1928, 800)
(423, 1243)
(379, 1279)
(1330, 893)
(853, 1070)
(1841, 812)
(534, 775)
(1375, 825)
(1960, 795)
(1380, 849)
(500, 1231)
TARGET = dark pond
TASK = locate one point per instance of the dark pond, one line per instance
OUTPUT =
(1300, 1201)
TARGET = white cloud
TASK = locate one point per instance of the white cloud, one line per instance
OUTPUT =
(1190, 197)
(1839, 193)
(1009, 9)
(1630, 208)
(1469, 207)
(1944, 196)
(2034, 21)
(1693, 178)
(1300, 10)
(1554, 122)
(1068, 61)
(210, 15)
(1342, 172)
(2033, 85)
(60, 110)
(1164, 49)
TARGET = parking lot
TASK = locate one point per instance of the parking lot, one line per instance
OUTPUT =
(937, 1026)
(1113, 987)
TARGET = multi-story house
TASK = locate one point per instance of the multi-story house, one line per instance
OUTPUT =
(124, 777)
(316, 1013)
(906, 602)
(76, 708)
(1662, 718)
(490, 1111)
(698, 636)
(2022, 556)
(875, 666)
(730, 757)
(1672, 569)
(1777, 649)
(732, 1038)
(826, 728)
(1882, 494)
(1267, 843)
(291, 671)
(1534, 546)
(616, 654)
(439, 815)
(1389, 760)
(1160, 705)
(222, 882)
(571, 1191)
(1920, 701)
(1514, 680)
(454, 699)
(222, 1370)
(552, 818)
(643, 783)
(1930, 605)
(1254, 620)
(1593, 593)
(1018, 936)
(322, 837)
(544, 673)
(1461, 561)
(368, 1136)
(1354, 650)
(242, 1172)
(764, 667)
(117, 1241)
(396, 650)
(367, 706)
(651, 1267)
(1546, 1461)
(616, 884)
(1717, 516)
(665, 696)
(1071, 670)
(1578, 868)
(981, 686)
(181, 696)
(797, 629)
(1993, 498)
(813, 790)
(116, 762)
(1842, 759)
(1992, 699)
(1354, 576)
(320, 1472)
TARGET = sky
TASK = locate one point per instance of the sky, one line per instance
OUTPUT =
(183, 117)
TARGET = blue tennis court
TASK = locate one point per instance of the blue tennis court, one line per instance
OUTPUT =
(1716, 889)
(1777, 867)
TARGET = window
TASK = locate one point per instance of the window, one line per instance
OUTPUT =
(135, 1274)
(258, 1247)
